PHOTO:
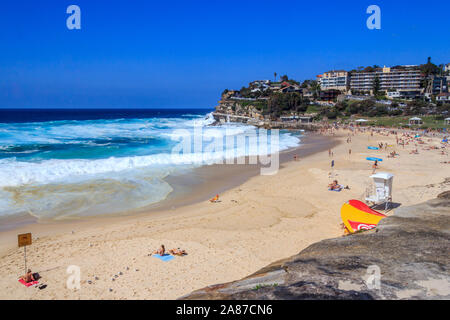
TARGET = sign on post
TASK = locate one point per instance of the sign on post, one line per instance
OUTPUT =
(24, 240)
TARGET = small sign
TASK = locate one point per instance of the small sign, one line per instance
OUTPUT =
(24, 239)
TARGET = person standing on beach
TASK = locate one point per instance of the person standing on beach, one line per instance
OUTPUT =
(375, 166)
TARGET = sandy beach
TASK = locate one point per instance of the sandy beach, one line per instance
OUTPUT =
(264, 219)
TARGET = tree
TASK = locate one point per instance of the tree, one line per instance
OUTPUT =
(275, 75)
(245, 92)
(429, 68)
(284, 78)
(315, 88)
(369, 69)
(376, 86)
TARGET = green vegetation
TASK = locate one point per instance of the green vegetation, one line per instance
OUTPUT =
(273, 103)
(281, 103)
(261, 105)
(429, 122)
(314, 108)
(429, 68)
(369, 108)
(260, 286)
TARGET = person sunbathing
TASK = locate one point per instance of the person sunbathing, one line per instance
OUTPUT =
(178, 252)
(392, 154)
(28, 277)
(161, 251)
(215, 199)
(334, 186)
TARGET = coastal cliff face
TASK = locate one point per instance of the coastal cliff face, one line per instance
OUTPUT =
(409, 248)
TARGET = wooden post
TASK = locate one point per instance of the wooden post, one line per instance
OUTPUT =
(24, 240)
(25, 256)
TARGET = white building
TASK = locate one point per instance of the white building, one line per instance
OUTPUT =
(394, 94)
(415, 121)
(445, 96)
(335, 79)
(403, 79)
(259, 85)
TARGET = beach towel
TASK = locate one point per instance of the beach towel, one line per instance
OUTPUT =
(28, 284)
(166, 257)
(373, 148)
(374, 159)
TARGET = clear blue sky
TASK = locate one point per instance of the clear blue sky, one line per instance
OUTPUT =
(185, 53)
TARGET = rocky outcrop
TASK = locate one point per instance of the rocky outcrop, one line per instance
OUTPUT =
(405, 257)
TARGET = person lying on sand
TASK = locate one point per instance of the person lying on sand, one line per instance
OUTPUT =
(161, 251)
(28, 277)
(178, 252)
(333, 185)
(215, 199)
(393, 154)
(336, 186)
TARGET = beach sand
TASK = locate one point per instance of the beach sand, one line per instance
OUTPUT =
(266, 218)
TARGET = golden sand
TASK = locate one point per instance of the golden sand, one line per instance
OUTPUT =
(265, 219)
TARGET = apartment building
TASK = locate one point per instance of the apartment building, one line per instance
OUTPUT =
(334, 80)
(407, 79)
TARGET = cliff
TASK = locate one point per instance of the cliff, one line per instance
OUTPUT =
(410, 248)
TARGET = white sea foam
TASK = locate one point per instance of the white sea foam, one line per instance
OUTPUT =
(63, 187)
(16, 173)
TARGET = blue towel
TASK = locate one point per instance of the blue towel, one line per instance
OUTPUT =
(373, 148)
(373, 159)
(166, 257)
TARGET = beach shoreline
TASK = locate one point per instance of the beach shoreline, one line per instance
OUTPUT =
(264, 219)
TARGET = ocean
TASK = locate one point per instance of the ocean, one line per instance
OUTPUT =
(60, 163)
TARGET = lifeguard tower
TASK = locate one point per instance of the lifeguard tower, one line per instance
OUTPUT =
(382, 191)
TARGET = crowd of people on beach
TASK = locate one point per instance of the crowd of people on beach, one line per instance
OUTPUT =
(413, 139)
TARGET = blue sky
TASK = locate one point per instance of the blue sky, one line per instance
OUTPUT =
(185, 53)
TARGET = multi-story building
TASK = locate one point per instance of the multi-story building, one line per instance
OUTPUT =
(334, 80)
(405, 79)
